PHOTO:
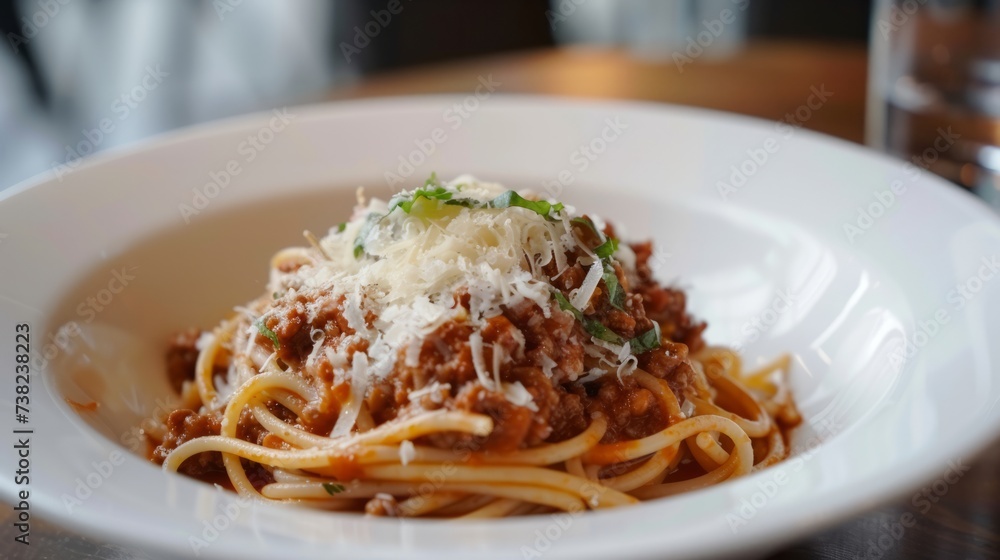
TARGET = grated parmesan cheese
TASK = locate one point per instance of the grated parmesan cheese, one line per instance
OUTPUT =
(352, 408)
(434, 390)
(403, 269)
(586, 291)
(317, 337)
(478, 361)
(407, 452)
(517, 394)
(687, 408)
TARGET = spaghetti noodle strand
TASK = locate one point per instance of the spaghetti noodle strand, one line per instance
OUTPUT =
(465, 351)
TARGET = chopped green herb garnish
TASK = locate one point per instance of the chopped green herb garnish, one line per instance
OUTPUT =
(262, 329)
(466, 202)
(646, 341)
(508, 199)
(565, 305)
(406, 201)
(359, 242)
(333, 488)
(606, 249)
(616, 294)
(597, 330)
(639, 345)
(511, 198)
(594, 328)
(341, 227)
(432, 190)
(276, 295)
(589, 224)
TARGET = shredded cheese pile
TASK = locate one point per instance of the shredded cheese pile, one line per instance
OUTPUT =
(403, 261)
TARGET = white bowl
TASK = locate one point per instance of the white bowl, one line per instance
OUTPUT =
(876, 425)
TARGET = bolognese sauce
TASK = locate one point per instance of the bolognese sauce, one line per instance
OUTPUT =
(551, 331)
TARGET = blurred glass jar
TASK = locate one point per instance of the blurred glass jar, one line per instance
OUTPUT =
(934, 88)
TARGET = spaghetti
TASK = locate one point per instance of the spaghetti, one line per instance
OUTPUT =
(465, 351)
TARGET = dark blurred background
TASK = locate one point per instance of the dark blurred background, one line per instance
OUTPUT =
(152, 66)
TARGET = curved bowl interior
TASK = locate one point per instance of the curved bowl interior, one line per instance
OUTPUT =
(891, 361)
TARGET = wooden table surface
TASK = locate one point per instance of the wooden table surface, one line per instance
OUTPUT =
(767, 80)
(764, 80)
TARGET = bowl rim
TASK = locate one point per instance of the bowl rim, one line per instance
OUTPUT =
(770, 530)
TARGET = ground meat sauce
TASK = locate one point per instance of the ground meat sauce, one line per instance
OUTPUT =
(665, 305)
(182, 354)
(546, 355)
(185, 425)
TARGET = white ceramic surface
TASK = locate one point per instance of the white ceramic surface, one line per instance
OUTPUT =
(769, 265)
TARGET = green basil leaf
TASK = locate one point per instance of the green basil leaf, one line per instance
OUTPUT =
(511, 198)
(594, 328)
(262, 329)
(333, 488)
(405, 202)
(646, 341)
(599, 331)
(606, 249)
(466, 202)
(341, 227)
(616, 294)
(589, 224)
(371, 220)
(565, 305)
